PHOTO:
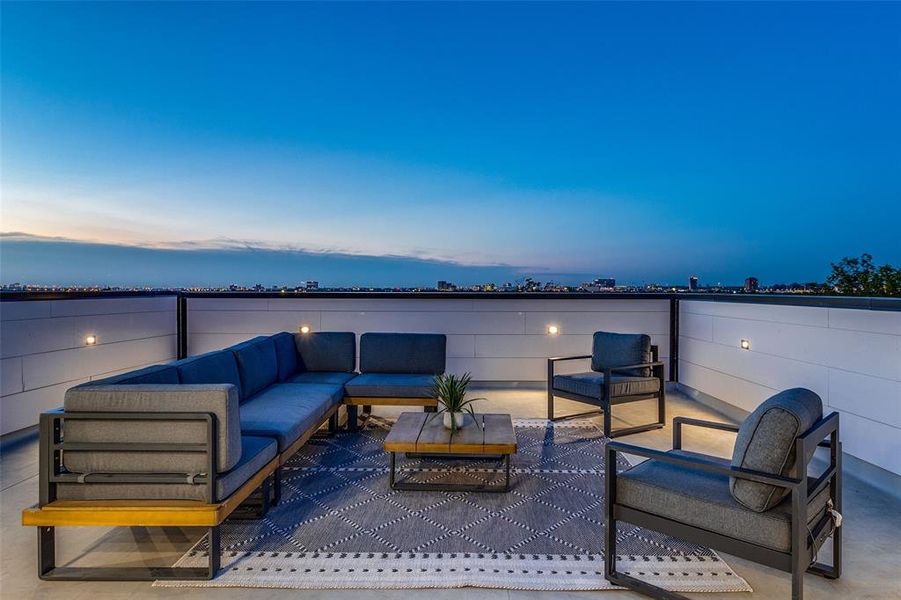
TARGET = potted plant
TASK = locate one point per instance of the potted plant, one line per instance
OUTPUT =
(450, 391)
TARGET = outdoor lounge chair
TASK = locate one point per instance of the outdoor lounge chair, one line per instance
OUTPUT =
(624, 368)
(761, 506)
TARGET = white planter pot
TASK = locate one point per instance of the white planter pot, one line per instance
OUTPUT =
(457, 416)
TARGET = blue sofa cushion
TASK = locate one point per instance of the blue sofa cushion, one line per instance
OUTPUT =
(285, 354)
(153, 375)
(322, 377)
(591, 384)
(256, 452)
(422, 353)
(766, 443)
(213, 367)
(390, 385)
(621, 349)
(333, 351)
(257, 364)
(285, 411)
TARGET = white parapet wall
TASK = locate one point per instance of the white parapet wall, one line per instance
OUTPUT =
(44, 348)
(851, 358)
(495, 339)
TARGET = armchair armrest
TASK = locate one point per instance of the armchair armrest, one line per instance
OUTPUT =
(649, 365)
(701, 463)
(559, 358)
(554, 360)
(679, 421)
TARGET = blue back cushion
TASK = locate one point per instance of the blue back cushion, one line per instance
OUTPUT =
(619, 350)
(257, 364)
(403, 353)
(212, 367)
(153, 375)
(332, 351)
(285, 355)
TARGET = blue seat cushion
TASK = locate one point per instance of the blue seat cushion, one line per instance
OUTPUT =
(256, 452)
(332, 351)
(285, 354)
(285, 411)
(591, 384)
(619, 350)
(257, 364)
(153, 375)
(322, 377)
(419, 353)
(213, 367)
(390, 385)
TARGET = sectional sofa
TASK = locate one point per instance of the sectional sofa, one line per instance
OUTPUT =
(194, 441)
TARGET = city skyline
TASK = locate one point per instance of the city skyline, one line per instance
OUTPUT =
(384, 144)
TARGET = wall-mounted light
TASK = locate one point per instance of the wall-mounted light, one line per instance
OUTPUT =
(90, 340)
(745, 345)
(305, 329)
(553, 330)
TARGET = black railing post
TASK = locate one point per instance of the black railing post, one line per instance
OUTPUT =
(181, 316)
(673, 339)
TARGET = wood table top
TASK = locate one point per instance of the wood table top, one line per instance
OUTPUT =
(416, 432)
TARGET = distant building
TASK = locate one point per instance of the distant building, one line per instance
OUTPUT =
(693, 283)
(312, 285)
(599, 285)
(446, 286)
(751, 284)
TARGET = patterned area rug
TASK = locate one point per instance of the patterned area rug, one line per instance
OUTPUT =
(339, 525)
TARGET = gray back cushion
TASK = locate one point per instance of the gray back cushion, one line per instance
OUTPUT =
(156, 374)
(257, 364)
(403, 353)
(333, 351)
(620, 349)
(766, 442)
(285, 354)
(213, 367)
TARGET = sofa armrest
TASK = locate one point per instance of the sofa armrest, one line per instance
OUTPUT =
(218, 400)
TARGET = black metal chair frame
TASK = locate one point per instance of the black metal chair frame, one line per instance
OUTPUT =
(805, 543)
(52, 444)
(605, 404)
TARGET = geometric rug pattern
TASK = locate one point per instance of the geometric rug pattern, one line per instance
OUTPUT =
(340, 526)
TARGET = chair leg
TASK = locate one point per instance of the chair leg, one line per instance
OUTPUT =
(352, 424)
(276, 487)
(608, 425)
(550, 404)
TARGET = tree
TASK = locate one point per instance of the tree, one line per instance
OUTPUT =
(860, 277)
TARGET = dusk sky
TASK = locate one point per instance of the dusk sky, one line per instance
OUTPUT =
(398, 144)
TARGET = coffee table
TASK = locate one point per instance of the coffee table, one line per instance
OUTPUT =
(488, 437)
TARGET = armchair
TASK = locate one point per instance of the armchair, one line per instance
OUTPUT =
(762, 506)
(624, 368)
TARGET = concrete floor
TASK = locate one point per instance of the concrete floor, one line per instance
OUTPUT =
(872, 531)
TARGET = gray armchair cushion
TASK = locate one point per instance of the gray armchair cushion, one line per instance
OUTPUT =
(257, 453)
(155, 374)
(702, 499)
(286, 355)
(213, 367)
(219, 399)
(333, 351)
(621, 349)
(285, 411)
(390, 385)
(322, 377)
(421, 353)
(591, 384)
(766, 442)
(257, 364)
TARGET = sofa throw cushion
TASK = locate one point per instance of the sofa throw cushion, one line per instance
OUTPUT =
(285, 355)
(213, 367)
(619, 350)
(766, 443)
(333, 351)
(403, 353)
(257, 364)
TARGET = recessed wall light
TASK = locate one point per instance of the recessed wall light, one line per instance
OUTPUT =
(745, 345)
(553, 330)
(90, 340)
(305, 329)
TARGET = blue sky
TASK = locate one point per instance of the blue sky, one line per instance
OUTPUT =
(643, 141)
